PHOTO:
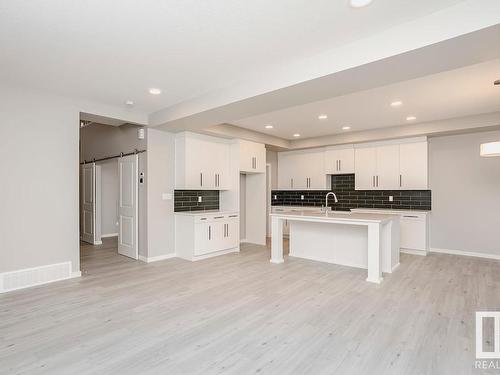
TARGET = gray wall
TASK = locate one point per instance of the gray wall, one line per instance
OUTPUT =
(98, 141)
(465, 194)
(39, 189)
(160, 180)
(272, 158)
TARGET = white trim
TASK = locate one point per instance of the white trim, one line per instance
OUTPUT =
(391, 142)
(465, 253)
(97, 243)
(109, 235)
(28, 277)
(156, 258)
(243, 240)
(414, 252)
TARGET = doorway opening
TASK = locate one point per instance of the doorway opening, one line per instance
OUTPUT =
(112, 178)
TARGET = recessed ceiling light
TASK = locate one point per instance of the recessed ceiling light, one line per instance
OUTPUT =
(322, 117)
(411, 118)
(360, 3)
(268, 126)
(129, 103)
(296, 135)
(396, 103)
(154, 91)
(346, 127)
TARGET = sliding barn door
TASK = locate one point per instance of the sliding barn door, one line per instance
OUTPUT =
(128, 207)
(88, 181)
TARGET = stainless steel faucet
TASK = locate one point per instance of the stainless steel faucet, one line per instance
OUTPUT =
(326, 199)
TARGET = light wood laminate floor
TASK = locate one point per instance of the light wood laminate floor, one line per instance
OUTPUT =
(239, 314)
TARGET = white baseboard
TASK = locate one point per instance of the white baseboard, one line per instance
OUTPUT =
(394, 267)
(28, 277)
(156, 258)
(97, 243)
(109, 235)
(243, 240)
(465, 253)
(414, 252)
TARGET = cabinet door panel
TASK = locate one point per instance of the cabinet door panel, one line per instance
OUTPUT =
(314, 170)
(285, 171)
(413, 234)
(413, 166)
(203, 238)
(339, 161)
(387, 176)
(365, 168)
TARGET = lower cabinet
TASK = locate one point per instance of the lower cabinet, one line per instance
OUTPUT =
(199, 235)
(414, 229)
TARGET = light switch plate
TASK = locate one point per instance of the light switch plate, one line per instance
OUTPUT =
(391, 198)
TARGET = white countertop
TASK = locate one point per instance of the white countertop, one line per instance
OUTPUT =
(334, 216)
(207, 212)
(391, 210)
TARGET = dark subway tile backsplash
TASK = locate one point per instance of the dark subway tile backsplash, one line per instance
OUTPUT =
(343, 187)
(187, 200)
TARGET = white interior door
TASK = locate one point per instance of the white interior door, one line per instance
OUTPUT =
(88, 181)
(128, 212)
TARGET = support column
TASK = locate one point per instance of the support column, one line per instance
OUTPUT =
(374, 254)
(276, 240)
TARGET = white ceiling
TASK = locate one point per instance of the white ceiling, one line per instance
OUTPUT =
(455, 93)
(111, 51)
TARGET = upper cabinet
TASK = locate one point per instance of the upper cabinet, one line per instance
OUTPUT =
(302, 170)
(201, 162)
(339, 160)
(391, 166)
(252, 157)
(413, 166)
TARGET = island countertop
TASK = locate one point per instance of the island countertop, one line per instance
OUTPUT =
(335, 216)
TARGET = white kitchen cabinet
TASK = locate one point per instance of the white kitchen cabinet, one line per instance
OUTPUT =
(387, 176)
(365, 168)
(200, 235)
(413, 166)
(400, 166)
(252, 157)
(339, 160)
(302, 170)
(414, 229)
(201, 162)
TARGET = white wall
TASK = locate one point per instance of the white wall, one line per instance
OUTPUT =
(109, 196)
(465, 194)
(39, 199)
(160, 179)
(39, 189)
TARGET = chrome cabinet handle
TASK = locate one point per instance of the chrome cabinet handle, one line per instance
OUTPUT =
(219, 217)
(233, 215)
(377, 181)
(400, 180)
(373, 182)
(209, 232)
(201, 179)
(413, 216)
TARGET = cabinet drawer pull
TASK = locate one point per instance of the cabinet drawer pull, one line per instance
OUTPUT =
(233, 215)
(219, 217)
(413, 216)
(203, 218)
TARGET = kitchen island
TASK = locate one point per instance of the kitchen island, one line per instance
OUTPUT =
(360, 240)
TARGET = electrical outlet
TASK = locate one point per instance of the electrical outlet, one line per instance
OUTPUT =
(199, 199)
(391, 198)
(275, 197)
(302, 197)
